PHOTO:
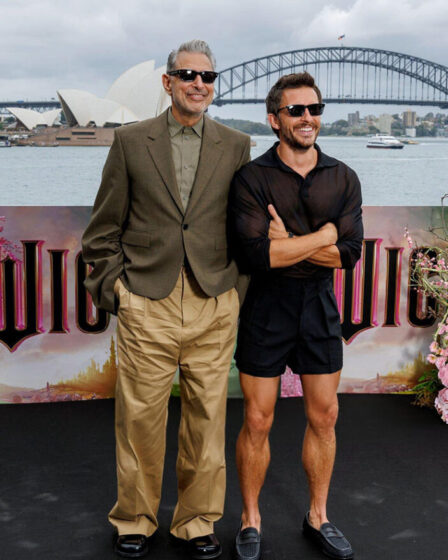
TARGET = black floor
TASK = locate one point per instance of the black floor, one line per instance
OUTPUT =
(389, 491)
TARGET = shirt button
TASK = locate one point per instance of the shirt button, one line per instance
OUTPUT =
(185, 166)
(185, 226)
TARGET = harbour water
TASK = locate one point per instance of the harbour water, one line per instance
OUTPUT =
(69, 176)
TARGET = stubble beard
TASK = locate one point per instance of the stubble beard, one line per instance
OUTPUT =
(183, 107)
(297, 145)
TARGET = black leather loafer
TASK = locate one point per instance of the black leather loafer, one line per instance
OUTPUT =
(204, 548)
(248, 544)
(329, 539)
(132, 546)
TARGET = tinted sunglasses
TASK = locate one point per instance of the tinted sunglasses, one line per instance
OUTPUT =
(315, 109)
(207, 76)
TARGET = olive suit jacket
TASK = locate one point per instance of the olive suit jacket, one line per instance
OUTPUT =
(139, 230)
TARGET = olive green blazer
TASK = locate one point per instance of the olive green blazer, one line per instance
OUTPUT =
(139, 231)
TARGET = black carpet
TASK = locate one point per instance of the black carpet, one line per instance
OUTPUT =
(389, 490)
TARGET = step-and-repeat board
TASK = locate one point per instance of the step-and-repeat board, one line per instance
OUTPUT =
(55, 345)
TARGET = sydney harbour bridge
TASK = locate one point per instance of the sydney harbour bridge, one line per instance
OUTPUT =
(344, 74)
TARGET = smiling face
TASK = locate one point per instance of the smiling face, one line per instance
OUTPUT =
(189, 99)
(299, 133)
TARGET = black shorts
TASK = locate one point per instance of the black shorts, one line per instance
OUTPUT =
(289, 321)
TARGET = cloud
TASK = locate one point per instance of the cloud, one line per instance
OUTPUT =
(409, 26)
(51, 45)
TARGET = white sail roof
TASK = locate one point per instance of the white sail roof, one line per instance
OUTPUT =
(136, 95)
(122, 115)
(141, 90)
(122, 88)
(31, 118)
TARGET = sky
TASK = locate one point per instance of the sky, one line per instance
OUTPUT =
(50, 45)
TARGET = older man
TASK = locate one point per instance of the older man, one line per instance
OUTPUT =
(157, 244)
(297, 214)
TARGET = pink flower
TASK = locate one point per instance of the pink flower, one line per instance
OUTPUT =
(441, 404)
(434, 347)
(440, 362)
(431, 358)
(443, 375)
(408, 238)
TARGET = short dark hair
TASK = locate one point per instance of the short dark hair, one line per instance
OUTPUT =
(290, 81)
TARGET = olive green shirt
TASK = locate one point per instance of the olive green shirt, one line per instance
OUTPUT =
(185, 148)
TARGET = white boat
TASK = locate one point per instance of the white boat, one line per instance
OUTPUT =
(385, 141)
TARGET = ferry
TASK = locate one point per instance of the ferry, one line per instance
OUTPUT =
(385, 141)
(4, 142)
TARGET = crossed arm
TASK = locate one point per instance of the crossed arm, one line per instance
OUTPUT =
(263, 241)
(317, 247)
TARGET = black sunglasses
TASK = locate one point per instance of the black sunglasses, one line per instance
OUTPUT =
(207, 76)
(315, 109)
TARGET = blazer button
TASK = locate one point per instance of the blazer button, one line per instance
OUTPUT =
(185, 226)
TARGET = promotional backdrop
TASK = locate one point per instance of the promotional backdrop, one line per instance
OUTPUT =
(56, 346)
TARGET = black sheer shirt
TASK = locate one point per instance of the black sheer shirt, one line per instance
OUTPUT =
(330, 192)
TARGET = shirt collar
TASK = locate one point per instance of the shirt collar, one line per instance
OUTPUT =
(175, 127)
(272, 159)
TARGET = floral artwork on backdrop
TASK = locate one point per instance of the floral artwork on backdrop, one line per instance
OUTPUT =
(56, 346)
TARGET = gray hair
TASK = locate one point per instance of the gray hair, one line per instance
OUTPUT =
(194, 46)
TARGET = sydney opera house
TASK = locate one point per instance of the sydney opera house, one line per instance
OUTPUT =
(136, 95)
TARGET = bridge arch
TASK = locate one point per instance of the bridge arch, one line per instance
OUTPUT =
(350, 75)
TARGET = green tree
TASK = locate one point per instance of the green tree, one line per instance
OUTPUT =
(397, 128)
(421, 130)
(249, 127)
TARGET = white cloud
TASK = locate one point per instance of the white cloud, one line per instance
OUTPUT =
(50, 44)
(410, 26)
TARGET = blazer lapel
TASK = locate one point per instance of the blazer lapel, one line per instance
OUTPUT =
(211, 152)
(159, 148)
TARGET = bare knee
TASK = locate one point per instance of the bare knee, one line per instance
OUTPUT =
(322, 419)
(257, 423)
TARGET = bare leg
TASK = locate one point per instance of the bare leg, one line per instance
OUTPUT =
(319, 444)
(252, 447)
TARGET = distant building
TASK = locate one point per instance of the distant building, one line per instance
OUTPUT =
(353, 119)
(135, 95)
(411, 132)
(29, 118)
(384, 123)
(409, 119)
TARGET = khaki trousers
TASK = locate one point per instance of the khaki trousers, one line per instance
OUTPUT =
(196, 333)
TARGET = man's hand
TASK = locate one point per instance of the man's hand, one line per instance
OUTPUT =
(301, 247)
(276, 226)
(331, 233)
